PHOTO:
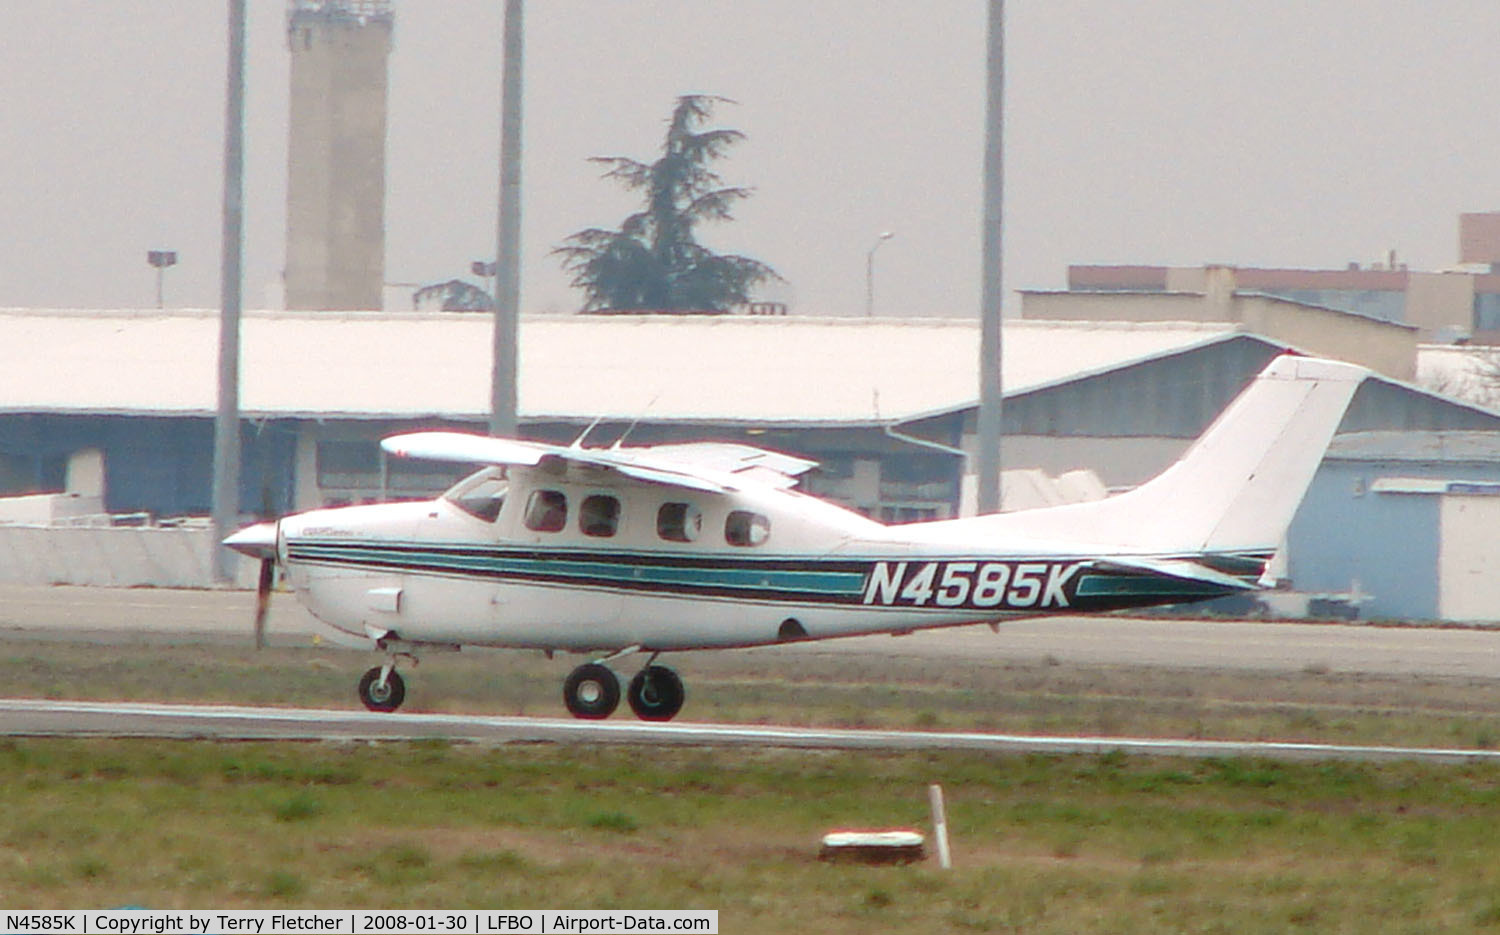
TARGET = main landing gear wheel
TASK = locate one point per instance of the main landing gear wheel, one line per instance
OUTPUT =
(378, 697)
(656, 694)
(592, 691)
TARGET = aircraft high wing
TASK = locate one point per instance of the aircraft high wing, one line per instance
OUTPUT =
(617, 551)
(712, 467)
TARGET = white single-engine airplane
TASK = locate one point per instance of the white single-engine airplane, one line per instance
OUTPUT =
(615, 551)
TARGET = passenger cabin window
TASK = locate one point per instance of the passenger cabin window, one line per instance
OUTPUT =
(599, 516)
(547, 511)
(679, 522)
(481, 495)
(745, 528)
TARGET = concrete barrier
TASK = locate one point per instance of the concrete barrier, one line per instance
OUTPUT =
(117, 556)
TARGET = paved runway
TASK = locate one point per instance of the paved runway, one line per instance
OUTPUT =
(122, 616)
(127, 615)
(225, 722)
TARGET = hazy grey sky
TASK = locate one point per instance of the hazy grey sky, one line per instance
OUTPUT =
(1158, 131)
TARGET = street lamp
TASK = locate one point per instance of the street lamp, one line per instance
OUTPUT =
(870, 272)
(161, 259)
(485, 271)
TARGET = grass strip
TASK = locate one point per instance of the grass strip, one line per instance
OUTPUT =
(1041, 844)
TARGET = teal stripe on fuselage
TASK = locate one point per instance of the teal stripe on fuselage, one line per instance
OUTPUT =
(603, 573)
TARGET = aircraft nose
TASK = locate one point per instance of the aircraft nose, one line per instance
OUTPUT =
(258, 541)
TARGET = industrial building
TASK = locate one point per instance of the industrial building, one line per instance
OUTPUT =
(886, 406)
(1457, 304)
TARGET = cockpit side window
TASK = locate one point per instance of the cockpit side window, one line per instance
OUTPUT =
(745, 528)
(547, 511)
(679, 522)
(599, 515)
(481, 495)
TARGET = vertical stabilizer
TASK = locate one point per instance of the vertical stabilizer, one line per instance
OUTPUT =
(1234, 490)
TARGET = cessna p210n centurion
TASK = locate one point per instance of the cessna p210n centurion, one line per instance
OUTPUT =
(617, 551)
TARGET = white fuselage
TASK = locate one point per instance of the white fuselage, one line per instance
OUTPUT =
(761, 565)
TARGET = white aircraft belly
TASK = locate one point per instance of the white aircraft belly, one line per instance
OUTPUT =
(534, 616)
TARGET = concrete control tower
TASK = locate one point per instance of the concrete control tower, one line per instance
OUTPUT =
(335, 218)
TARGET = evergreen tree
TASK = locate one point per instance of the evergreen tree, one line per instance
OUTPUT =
(653, 262)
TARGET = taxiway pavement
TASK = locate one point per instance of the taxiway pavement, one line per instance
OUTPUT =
(28, 717)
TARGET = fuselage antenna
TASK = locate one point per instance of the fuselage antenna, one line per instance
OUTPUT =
(578, 442)
(637, 421)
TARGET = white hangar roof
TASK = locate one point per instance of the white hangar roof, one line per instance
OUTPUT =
(784, 370)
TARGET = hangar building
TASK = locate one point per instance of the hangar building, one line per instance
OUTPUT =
(1404, 524)
(887, 407)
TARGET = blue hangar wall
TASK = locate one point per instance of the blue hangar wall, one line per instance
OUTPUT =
(161, 465)
(1389, 542)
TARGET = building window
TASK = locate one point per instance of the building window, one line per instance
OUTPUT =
(679, 522)
(353, 464)
(599, 516)
(547, 511)
(30, 474)
(745, 528)
(351, 470)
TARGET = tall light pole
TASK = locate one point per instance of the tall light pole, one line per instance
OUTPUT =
(990, 388)
(870, 272)
(226, 489)
(503, 376)
(485, 270)
(161, 259)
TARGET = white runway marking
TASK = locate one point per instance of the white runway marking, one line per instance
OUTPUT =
(29, 717)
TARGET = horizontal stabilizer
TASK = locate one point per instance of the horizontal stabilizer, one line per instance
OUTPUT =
(1177, 568)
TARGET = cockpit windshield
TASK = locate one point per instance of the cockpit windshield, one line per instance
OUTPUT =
(481, 494)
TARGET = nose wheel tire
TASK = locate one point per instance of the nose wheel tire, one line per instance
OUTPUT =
(592, 691)
(656, 694)
(377, 697)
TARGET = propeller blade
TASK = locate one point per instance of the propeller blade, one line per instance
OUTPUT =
(263, 599)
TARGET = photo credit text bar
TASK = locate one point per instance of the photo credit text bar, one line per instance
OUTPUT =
(358, 921)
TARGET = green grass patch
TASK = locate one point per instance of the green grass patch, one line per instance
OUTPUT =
(1041, 844)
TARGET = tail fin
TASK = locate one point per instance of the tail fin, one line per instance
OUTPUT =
(1235, 489)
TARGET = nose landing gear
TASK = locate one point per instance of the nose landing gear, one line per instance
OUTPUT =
(382, 688)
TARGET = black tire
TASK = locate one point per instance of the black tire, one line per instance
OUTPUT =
(377, 699)
(591, 692)
(656, 694)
